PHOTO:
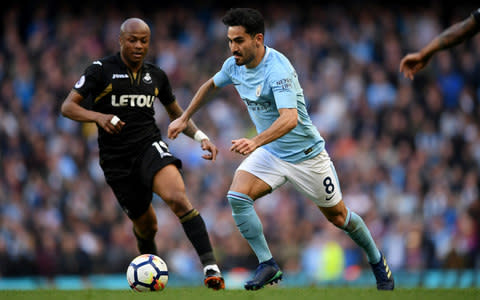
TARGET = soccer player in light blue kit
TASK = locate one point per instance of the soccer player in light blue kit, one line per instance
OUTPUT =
(288, 147)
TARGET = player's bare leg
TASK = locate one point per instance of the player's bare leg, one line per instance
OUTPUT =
(144, 228)
(169, 185)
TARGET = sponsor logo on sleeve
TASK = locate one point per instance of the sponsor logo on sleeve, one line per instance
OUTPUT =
(80, 82)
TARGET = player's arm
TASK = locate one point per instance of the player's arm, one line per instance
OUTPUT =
(285, 123)
(450, 37)
(180, 123)
(72, 109)
(174, 111)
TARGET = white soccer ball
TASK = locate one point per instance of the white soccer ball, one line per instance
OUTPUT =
(147, 272)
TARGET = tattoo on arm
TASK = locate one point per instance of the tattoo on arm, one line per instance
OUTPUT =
(457, 33)
(191, 129)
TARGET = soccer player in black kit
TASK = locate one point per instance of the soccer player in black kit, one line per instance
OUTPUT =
(134, 159)
(455, 34)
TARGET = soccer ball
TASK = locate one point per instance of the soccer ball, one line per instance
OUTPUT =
(147, 272)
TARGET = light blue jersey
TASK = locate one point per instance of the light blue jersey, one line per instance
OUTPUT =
(272, 85)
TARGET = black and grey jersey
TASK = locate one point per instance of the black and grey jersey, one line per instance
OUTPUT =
(113, 89)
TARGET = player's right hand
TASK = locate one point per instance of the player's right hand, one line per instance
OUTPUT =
(176, 127)
(243, 146)
(105, 121)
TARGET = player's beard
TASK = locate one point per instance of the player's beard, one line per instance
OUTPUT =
(245, 58)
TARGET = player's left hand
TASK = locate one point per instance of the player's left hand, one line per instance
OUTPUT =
(207, 145)
(243, 146)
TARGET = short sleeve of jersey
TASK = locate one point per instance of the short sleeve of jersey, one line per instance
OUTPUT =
(283, 88)
(165, 93)
(222, 78)
(91, 81)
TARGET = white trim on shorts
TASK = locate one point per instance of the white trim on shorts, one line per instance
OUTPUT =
(315, 178)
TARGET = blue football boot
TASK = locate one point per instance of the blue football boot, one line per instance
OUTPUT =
(383, 274)
(267, 272)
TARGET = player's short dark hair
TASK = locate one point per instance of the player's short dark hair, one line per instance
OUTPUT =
(251, 19)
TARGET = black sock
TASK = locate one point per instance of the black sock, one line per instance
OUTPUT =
(194, 227)
(145, 246)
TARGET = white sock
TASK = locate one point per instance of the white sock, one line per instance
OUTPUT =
(210, 267)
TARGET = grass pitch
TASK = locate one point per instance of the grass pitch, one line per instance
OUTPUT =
(273, 293)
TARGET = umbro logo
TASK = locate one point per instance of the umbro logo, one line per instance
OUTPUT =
(115, 76)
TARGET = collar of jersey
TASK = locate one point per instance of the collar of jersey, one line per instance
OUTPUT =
(119, 58)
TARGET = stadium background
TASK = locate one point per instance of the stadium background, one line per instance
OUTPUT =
(407, 153)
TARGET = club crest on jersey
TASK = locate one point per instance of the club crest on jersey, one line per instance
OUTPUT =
(147, 78)
(258, 91)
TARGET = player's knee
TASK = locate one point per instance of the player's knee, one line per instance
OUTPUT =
(178, 202)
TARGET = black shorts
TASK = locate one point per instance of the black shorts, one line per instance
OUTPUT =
(134, 192)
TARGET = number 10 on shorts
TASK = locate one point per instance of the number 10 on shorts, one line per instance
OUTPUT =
(162, 148)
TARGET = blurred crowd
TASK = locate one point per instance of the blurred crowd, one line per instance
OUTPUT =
(407, 152)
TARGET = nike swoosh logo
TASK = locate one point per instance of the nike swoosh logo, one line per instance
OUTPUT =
(328, 198)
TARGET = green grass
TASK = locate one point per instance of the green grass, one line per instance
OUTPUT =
(267, 293)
